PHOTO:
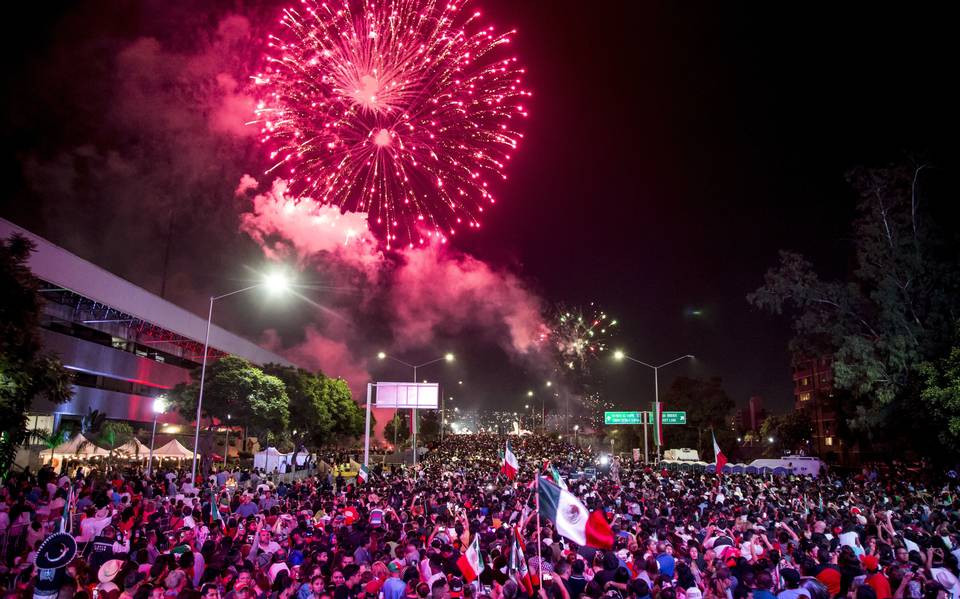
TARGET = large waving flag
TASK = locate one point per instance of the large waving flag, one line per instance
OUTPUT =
(517, 566)
(571, 517)
(510, 465)
(363, 474)
(718, 455)
(470, 562)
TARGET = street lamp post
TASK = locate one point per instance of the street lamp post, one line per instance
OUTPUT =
(159, 407)
(449, 357)
(576, 435)
(226, 443)
(620, 355)
(274, 282)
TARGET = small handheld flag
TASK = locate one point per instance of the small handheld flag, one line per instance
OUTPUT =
(718, 455)
(510, 465)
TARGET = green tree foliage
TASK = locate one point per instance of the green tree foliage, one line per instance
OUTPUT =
(235, 386)
(708, 408)
(51, 440)
(348, 418)
(26, 372)
(113, 434)
(941, 394)
(397, 430)
(790, 432)
(429, 429)
(310, 409)
(894, 310)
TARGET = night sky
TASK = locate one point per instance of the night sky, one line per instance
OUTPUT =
(672, 149)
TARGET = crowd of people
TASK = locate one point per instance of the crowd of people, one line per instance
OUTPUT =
(401, 534)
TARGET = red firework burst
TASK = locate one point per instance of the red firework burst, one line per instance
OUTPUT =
(403, 109)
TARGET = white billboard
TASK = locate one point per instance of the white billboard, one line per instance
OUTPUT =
(422, 396)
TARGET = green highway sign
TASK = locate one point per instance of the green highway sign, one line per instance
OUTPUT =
(622, 418)
(639, 417)
(674, 417)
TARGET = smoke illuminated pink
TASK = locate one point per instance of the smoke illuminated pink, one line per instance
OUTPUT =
(406, 110)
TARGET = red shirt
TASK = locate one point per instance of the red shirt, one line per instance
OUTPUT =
(879, 583)
(830, 577)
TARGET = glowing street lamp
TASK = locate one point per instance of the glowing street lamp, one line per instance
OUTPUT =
(159, 407)
(275, 282)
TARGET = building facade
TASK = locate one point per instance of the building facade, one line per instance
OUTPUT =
(814, 395)
(752, 415)
(124, 345)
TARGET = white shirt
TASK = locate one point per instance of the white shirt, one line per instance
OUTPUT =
(91, 527)
(947, 579)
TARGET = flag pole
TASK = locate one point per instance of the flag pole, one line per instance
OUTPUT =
(539, 544)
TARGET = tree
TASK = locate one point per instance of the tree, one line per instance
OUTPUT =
(429, 426)
(941, 394)
(51, 440)
(348, 419)
(26, 371)
(708, 408)
(113, 434)
(790, 432)
(310, 407)
(397, 430)
(236, 387)
(896, 307)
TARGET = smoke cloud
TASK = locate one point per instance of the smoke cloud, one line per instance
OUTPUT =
(286, 226)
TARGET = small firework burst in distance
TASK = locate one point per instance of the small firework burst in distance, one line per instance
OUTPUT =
(580, 335)
(407, 110)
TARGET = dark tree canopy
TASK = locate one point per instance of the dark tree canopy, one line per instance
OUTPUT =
(26, 371)
(897, 307)
(708, 408)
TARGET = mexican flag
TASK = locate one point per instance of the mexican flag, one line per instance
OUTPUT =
(66, 520)
(470, 562)
(363, 474)
(718, 455)
(214, 509)
(571, 516)
(510, 465)
(657, 415)
(517, 566)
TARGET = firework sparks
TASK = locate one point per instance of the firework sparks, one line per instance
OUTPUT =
(404, 109)
(579, 336)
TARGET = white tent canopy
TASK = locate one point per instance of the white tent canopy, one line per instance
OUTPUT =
(173, 449)
(133, 449)
(80, 446)
(270, 459)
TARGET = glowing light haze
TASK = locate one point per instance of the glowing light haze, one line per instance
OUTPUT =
(406, 110)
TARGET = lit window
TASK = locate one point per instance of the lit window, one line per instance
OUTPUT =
(805, 396)
(805, 382)
(828, 441)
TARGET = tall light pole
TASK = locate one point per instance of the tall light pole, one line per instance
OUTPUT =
(159, 407)
(620, 356)
(226, 443)
(448, 357)
(275, 282)
(576, 434)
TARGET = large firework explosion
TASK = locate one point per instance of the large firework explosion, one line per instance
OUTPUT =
(580, 335)
(403, 109)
